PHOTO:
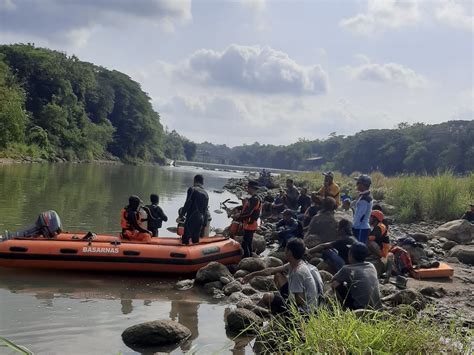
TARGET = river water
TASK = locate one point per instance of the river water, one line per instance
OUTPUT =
(85, 313)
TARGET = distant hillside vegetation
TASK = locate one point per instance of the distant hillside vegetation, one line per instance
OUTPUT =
(52, 105)
(416, 148)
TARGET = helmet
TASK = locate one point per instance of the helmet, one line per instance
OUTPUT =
(377, 215)
(364, 180)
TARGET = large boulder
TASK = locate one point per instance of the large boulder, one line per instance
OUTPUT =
(236, 297)
(279, 254)
(155, 333)
(460, 231)
(184, 284)
(230, 288)
(212, 272)
(258, 243)
(242, 319)
(240, 273)
(271, 261)
(464, 253)
(324, 226)
(263, 283)
(252, 264)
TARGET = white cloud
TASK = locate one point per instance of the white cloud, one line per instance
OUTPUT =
(381, 15)
(257, 69)
(73, 21)
(455, 14)
(254, 5)
(388, 73)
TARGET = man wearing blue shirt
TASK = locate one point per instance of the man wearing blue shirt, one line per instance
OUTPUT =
(363, 208)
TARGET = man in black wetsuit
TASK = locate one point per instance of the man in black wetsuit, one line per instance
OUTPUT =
(195, 211)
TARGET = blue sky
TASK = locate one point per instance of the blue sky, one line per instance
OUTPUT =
(241, 71)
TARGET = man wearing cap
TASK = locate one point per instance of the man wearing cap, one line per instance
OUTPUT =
(469, 215)
(249, 216)
(195, 211)
(363, 208)
(330, 188)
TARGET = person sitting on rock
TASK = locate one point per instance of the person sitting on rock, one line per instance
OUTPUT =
(132, 218)
(278, 205)
(336, 253)
(287, 228)
(291, 195)
(303, 286)
(379, 242)
(323, 226)
(469, 215)
(346, 207)
(267, 206)
(356, 284)
(311, 211)
(330, 188)
(304, 201)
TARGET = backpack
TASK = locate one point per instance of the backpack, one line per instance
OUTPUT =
(401, 260)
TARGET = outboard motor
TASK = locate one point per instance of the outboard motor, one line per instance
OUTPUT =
(48, 225)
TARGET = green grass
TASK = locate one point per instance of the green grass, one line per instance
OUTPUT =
(8, 344)
(441, 197)
(334, 331)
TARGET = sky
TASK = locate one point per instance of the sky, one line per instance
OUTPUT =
(273, 71)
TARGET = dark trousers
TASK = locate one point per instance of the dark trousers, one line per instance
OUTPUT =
(362, 235)
(192, 229)
(247, 243)
(333, 259)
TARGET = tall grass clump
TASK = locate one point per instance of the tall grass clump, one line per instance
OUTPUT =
(445, 196)
(335, 331)
(406, 194)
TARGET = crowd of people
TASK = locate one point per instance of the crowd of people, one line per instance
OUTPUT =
(349, 246)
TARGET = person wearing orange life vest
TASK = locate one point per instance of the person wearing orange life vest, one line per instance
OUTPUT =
(249, 216)
(131, 219)
(378, 243)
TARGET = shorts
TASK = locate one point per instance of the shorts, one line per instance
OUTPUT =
(278, 304)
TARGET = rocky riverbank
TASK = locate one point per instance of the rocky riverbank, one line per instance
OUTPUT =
(442, 300)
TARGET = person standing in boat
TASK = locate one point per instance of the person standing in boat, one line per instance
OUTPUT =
(249, 216)
(155, 215)
(132, 217)
(194, 211)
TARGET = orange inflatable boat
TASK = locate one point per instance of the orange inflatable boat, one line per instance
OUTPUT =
(79, 251)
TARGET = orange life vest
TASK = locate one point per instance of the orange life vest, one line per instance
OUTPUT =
(250, 223)
(384, 242)
(128, 231)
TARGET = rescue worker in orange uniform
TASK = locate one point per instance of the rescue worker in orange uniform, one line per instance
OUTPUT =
(249, 216)
(378, 243)
(131, 220)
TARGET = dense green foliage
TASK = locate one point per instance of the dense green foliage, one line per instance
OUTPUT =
(52, 105)
(178, 147)
(417, 148)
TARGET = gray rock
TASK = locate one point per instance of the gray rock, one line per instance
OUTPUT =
(315, 261)
(246, 303)
(452, 260)
(242, 319)
(217, 294)
(449, 245)
(460, 231)
(263, 283)
(279, 255)
(325, 276)
(236, 297)
(226, 280)
(409, 297)
(251, 264)
(420, 237)
(271, 261)
(248, 290)
(210, 286)
(465, 253)
(258, 243)
(184, 284)
(240, 273)
(155, 333)
(437, 292)
(234, 286)
(212, 272)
